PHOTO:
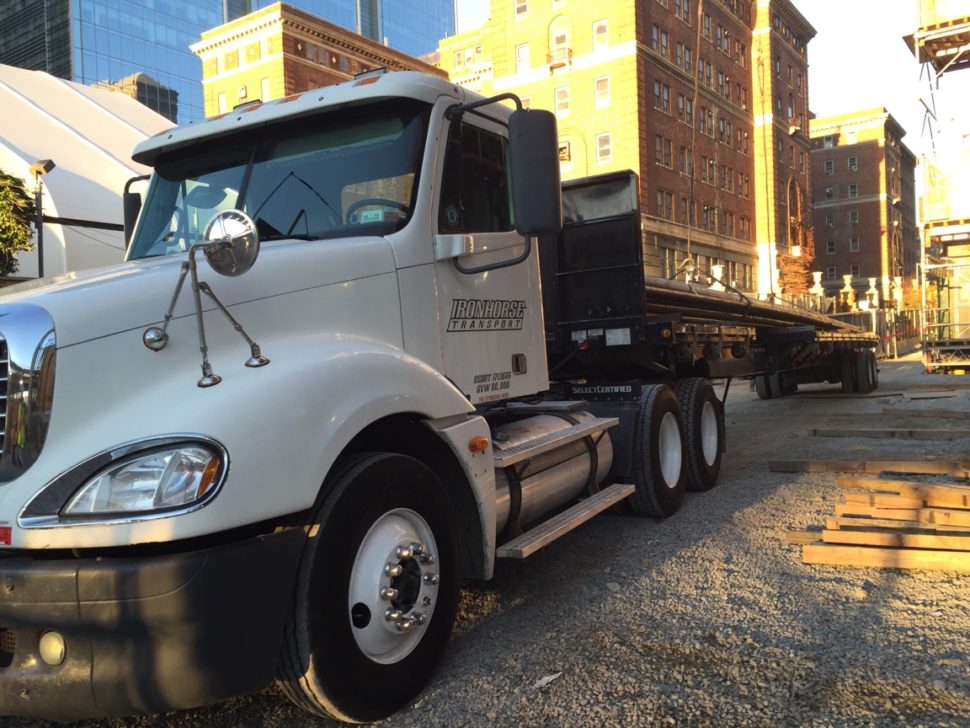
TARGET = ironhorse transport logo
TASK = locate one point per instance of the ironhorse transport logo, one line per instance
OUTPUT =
(473, 314)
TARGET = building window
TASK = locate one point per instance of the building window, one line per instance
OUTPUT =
(264, 90)
(829, 166)
(689, 112)
(221, 102)
(853, 245)
(853, 217)
(602, 88)
(828, 141)
(565, 150)
(853, 163)
(688, 60)
(829, 219)
(854, 269)
(853, 190)
(829, 193)
(604, 147)
(830, 273)
(522, 58)
(680, 106)
(562, 101)
(600, 34)
(830, 247)
(521, 8)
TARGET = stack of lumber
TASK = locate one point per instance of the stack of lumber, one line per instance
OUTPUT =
(900, 524)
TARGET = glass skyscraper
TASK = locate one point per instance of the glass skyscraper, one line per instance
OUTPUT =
(92, 41)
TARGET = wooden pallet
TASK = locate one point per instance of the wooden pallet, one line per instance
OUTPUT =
(899, 524)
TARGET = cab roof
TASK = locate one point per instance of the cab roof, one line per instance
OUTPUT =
(404, 84)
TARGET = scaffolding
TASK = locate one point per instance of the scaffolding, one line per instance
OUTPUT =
(941, 44)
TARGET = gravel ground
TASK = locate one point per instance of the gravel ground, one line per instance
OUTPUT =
(707, 618)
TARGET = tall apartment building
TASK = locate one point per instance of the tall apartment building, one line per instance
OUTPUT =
(865, 202)
(279, 50)
(706, 100)
(92, 41)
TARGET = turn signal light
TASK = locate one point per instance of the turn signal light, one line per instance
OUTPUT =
(478, 444)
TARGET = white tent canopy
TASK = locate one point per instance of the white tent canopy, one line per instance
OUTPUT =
(89, 134)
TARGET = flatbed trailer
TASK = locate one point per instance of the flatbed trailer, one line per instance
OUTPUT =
(606, 321)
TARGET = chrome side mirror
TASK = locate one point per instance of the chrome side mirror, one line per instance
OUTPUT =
(231, 242)
(231, 245)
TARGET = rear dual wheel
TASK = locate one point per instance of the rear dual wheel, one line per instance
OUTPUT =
(703, 416)
(658, 454)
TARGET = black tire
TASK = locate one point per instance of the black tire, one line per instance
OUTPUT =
(703, 416)
(873, 369)
(847, 372)
(863, 372)
(762, 386)
(658, 454)
(327, 662)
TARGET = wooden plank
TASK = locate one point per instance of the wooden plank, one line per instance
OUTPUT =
(900, 434)
(807, 535)
(943, 517)
(886, 558)
(898, 539)
(933, 495)
(942, 413)
(936, 516)
(887, 485)
(942, 394)
(850, 522)
(893, 514)
(881, 500)
(956, 469)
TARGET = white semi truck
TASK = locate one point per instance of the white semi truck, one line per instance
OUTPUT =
(375, 417)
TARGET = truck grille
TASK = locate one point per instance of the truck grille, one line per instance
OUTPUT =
(4, 378)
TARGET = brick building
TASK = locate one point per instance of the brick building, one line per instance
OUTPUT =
(865, 203)
(279, 50)
(683, 92)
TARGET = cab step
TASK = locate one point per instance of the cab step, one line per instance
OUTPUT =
(531, 448)
(546, 532)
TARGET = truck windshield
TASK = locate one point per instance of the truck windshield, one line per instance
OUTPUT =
(353, 171)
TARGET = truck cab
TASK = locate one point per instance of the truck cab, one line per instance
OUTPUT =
(305, 508)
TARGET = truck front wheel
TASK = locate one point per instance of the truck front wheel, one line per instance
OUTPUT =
(377, 591)
(658, 454)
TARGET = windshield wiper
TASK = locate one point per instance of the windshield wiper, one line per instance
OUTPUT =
(288, 236)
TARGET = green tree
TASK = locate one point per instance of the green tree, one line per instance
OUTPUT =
(17, 216)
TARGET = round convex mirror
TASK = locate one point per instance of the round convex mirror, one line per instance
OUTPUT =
(233, 242)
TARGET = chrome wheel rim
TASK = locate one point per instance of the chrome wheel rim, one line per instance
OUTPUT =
(393, 586)
(671, 450)
(709, 433)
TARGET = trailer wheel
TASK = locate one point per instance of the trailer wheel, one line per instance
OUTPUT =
(703, 416)
(863, 371)
(847, 372)
(762, 386)
(658, 454)
(377, 590)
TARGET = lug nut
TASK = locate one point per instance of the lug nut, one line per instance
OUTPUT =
(431, 579)
(393, 569)
(427, 558)
(403, 552)
(393, 615)
(419, 618)
(418, 548)
(388, 594)
(405, 625)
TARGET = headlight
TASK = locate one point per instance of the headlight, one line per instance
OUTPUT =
(161, 477)
(164, 479)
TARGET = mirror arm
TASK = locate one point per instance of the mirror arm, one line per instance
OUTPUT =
(156, 338)
(455, 112)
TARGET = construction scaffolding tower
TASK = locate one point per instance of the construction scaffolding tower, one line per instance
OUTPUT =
(941, 43)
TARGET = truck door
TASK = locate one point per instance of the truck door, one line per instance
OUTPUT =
(489, 299)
